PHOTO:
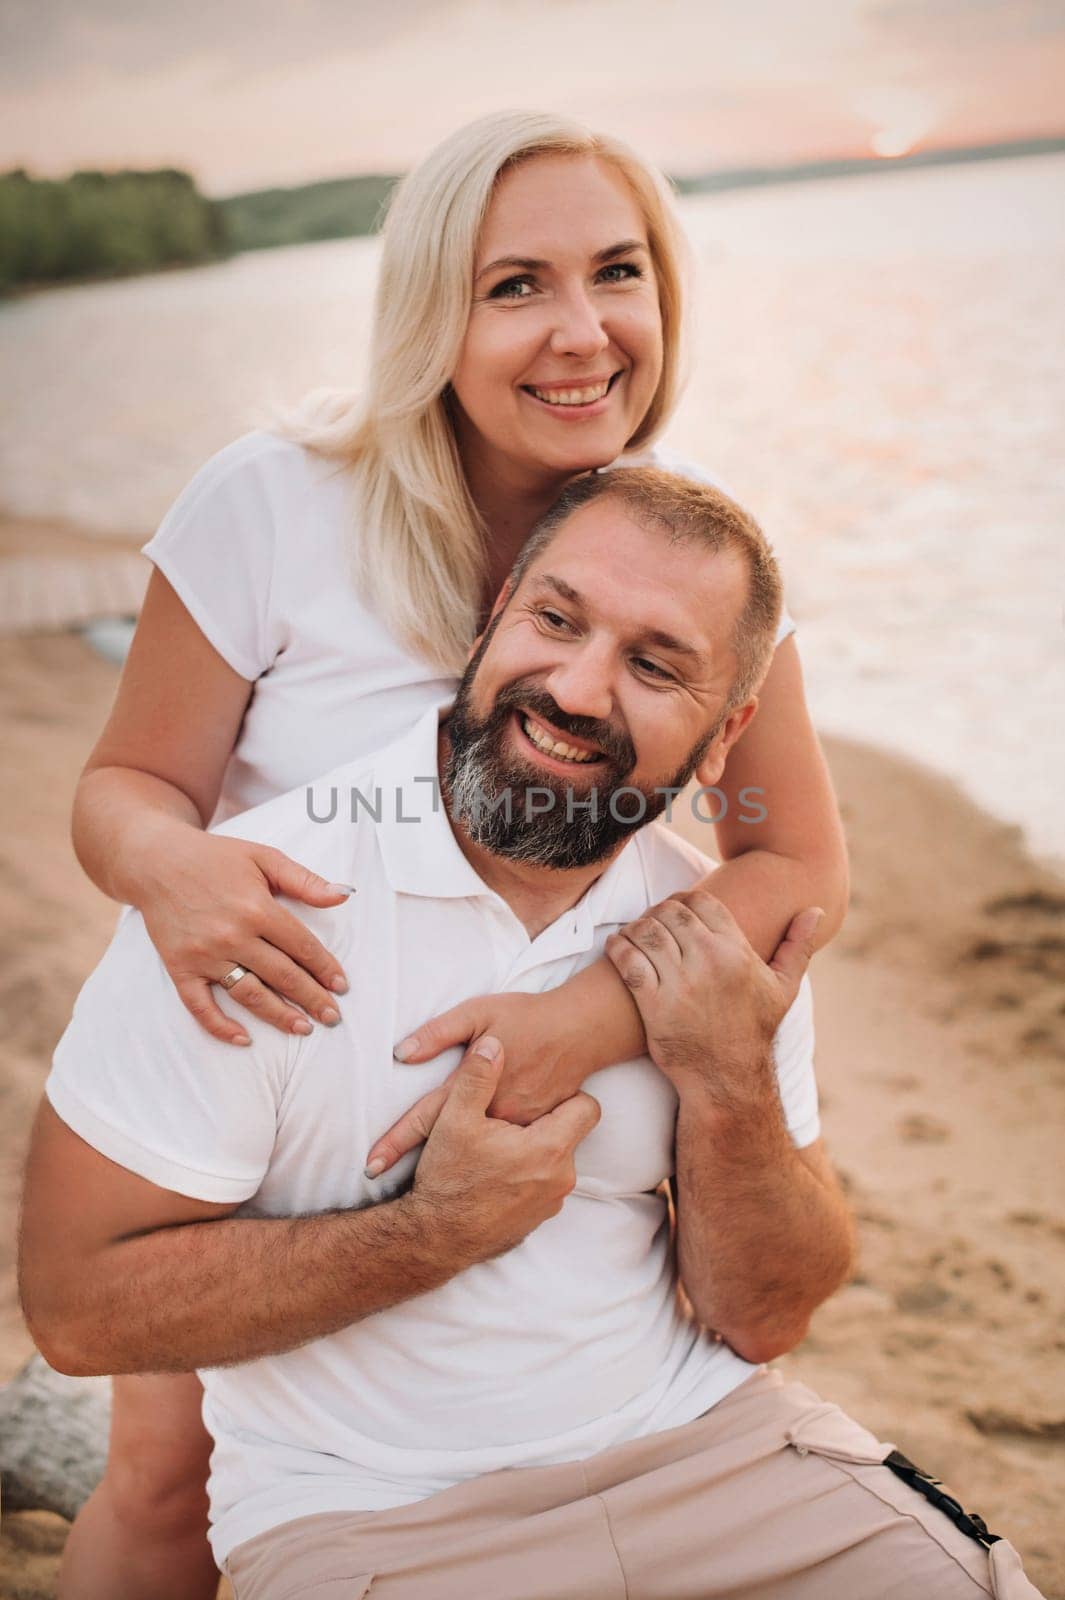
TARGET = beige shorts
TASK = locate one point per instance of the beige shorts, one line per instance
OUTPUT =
(773, 1494)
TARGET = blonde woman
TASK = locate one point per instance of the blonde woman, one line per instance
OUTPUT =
(314, 593)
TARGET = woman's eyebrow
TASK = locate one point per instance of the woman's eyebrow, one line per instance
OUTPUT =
(534, 264)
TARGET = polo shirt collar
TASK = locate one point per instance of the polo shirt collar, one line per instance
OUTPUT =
(421, 855)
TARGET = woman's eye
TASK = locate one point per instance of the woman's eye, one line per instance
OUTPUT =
(511, 289)
(554, 619)
(625, 269)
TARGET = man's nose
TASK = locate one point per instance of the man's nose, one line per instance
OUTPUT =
(579, 329)
(581, 685)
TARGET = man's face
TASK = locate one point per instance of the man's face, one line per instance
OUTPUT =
(606, 671)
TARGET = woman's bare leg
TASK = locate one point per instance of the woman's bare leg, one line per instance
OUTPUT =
(142, 1534)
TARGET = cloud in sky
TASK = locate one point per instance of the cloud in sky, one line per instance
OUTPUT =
(246, 93)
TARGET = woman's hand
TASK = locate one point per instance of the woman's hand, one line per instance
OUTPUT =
(208, 905)
(540, 1067)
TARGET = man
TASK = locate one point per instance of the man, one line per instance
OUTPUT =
(473, 1377)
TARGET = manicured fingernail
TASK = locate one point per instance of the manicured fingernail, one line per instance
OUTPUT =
(406, 1048)
(339, 985)
(487, 1047)
(342, 888)
(329, 1015)
(241, 1038)
(374, 1168)
(301, 1025)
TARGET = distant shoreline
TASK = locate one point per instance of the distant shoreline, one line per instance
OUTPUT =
(353, 207)
(849, 166)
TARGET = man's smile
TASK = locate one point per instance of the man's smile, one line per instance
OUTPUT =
(550, 746)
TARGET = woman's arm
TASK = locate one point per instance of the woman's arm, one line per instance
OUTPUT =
(141, 805)
(795, 857)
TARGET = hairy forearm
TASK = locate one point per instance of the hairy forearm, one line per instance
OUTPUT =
(121, 818)
(214, 1293)
(761, 1240)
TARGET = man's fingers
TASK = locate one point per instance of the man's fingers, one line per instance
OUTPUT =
(411, 1130)
(793, 953)
(462, 1023)
(473, 1084)
(658, 940)
(634, 968)
(712, 912)
(571, 1121)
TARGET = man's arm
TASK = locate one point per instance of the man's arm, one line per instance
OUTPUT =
(763, 1231)
(120, 1275)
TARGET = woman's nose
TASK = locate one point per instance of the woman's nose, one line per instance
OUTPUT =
(579, 330)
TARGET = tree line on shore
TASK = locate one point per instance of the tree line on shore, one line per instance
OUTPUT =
(114, 224)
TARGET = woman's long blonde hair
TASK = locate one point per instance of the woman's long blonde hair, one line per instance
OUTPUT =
(420, 552)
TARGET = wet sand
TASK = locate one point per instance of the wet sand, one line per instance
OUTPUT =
(941, 1060)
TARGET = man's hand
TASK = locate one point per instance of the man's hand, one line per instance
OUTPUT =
(484, 1184)
(709, 1004)
(543, 1064)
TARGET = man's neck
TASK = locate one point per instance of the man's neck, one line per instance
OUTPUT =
(537, 895)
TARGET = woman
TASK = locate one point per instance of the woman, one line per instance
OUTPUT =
(313, 595)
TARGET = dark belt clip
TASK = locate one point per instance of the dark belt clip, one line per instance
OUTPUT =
(973, 1526)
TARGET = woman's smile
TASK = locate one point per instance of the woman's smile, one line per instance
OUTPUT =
(574, 398)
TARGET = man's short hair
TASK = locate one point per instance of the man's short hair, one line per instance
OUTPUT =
(691, 511)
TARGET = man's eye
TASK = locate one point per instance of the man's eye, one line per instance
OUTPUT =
(652, 667)
(626, 269)
(512, 289)
(554, 618)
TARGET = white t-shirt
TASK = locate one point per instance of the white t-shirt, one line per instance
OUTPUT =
(571, 1342)
(258, 548)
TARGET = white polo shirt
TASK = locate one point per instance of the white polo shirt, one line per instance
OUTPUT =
(568, 1344)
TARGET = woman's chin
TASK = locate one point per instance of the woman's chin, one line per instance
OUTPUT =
(596, 447)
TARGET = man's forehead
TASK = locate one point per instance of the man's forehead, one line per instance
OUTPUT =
(677, 593)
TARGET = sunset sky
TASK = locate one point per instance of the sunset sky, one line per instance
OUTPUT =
(245, 93)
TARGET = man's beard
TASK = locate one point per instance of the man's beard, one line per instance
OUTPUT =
(523, 813)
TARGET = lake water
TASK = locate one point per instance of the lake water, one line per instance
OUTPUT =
(878, 373)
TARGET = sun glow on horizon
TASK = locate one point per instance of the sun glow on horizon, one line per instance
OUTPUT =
(900, 119)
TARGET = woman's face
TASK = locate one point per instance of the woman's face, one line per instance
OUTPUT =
(563, 349)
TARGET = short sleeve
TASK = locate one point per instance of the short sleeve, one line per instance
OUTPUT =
(138, 1079)
(659, 456)
(793, 1053)
(216, 548)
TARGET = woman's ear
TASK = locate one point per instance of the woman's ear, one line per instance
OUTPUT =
(712, 765)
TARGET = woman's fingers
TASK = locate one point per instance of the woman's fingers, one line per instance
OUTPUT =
(255, 996)
(197, 998)
(286, 876)
(457, 1026)
(295, 940)
(290, 983)
(412, 1129)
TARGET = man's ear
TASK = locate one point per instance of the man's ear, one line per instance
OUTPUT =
(712, 765)
(497, 605)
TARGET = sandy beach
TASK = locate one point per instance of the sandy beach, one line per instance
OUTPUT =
(941, 1061)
